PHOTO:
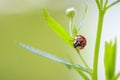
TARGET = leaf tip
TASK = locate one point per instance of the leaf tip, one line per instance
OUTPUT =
(86, 8)
(45, 13)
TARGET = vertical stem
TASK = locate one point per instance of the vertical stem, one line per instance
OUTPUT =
(97, 44)
(99, 31)
(71, 26)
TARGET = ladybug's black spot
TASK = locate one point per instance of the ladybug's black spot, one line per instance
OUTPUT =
(77, 43)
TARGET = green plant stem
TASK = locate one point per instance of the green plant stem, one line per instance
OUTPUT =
(101, 3)
(82, 59)
(106, 2)
(82, 74)
(71, 26)
(98, 4)
(112, 4)
(99, 31)
(117, 76)
(97, 44)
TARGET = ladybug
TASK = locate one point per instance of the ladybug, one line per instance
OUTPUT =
(79, 41)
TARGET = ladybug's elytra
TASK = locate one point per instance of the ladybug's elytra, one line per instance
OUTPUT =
(79, 41)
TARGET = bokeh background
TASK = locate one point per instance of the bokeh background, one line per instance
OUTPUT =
(22, 21)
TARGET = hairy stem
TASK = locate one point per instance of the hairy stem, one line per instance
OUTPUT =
(97, 44)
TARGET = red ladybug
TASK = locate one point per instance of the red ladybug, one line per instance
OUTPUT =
(79, 41)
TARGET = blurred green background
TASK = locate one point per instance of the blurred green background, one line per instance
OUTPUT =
(22, 21)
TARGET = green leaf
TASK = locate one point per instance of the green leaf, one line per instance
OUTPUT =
(74, 31)
(113, 4)
(57, 28)
(110, 59)
(83, 18)
(51, 57)
(86, 9)
(78, 70)
(117, 76)
(81, 73)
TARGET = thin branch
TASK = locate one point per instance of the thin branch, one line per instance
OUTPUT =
(82, 74)
(112, 4)
(78, 69)
(83, 60)
(106, 2)
(98, 4)
(71, 27)
(117, 76)
(101, 3)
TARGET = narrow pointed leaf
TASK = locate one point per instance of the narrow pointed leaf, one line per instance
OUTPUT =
(86, 9)
(83, 18)
(113, 4)
(74, 31)
(78, 70)
(51, 57)
(81, 73)
(117, 76)
(57, 28)
(110, 59)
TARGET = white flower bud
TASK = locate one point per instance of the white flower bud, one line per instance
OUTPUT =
(70, 12)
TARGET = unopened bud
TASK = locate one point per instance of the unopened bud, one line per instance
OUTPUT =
(70, 12)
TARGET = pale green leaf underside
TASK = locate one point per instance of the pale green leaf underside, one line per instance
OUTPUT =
(51, 57)
(110, 59)
(57, 28)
